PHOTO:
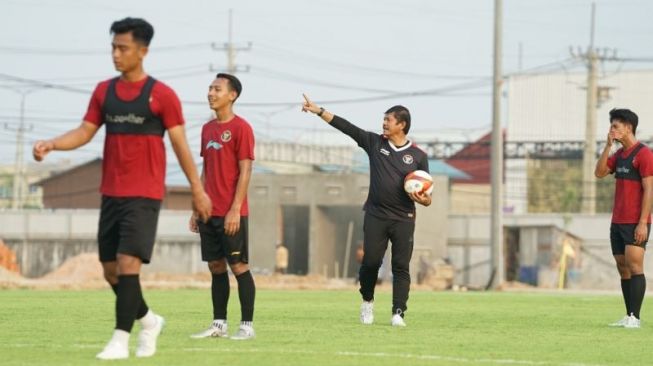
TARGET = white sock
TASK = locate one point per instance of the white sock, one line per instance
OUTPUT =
(120, 336)
(247, 324)
(217, 322)
(148, 321)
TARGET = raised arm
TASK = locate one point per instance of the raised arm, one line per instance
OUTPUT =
(602, 169)
(362, 137)
(68, 141)
(201, 201)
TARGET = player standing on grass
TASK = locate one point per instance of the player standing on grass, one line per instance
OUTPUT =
(389, 210)
(228, 152)
(632, 166)
(136, 110)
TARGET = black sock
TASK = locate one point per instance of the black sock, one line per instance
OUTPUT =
(128, 300)
(142, 310)
(637, 290)
(246, 293)
(367, 278)
(625, 290)
(220, 294)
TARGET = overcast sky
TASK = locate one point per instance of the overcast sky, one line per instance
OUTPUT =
(334, 50)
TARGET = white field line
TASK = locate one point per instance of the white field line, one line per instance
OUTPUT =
(463, 360)
(497, 361)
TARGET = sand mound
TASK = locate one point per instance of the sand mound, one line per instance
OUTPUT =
(7, 275)
(84, 271)
(80, 268)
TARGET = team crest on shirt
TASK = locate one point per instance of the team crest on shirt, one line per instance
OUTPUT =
(408, 159)
(226, 136)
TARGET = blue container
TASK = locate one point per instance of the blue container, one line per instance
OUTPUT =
(528, 274)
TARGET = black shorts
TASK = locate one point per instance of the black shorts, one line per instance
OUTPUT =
(217, 245)
(127, 226)
(624, 234)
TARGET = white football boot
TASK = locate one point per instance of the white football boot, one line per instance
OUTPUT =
(218, 329)
(367, 312)
(245, 332)
(147, 338)
(397, 321)
(632, 322)
(117, 348)
(620, 323)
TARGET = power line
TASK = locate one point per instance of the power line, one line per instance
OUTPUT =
(428, 92)
(97, 51)
(279, 75)
(289, 55)
(43, 84)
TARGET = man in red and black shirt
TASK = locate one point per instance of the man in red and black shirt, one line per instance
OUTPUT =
(632, 166)
(389, 210)
(136, 110)
(228, 152)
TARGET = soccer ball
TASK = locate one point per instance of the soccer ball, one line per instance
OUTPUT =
(418, 181)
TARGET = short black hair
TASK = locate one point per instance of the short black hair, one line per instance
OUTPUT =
(625, 116)
(141, 30)
(401, 114)
(234, 83)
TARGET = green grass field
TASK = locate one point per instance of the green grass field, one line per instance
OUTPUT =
(322, 328)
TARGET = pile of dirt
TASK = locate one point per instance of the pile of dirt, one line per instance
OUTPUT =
(84, 271)
(8, 258)
(7, 275)
(80, 268)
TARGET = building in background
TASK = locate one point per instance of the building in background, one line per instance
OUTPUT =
(546, 123)
(32, 195)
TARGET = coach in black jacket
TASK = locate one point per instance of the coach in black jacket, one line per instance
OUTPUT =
(389, 210)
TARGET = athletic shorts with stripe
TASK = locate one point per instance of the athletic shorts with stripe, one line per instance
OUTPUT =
(217, 245)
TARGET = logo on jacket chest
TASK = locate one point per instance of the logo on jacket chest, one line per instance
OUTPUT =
(408, 159)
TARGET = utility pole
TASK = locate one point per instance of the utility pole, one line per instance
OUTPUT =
(520, 56)
(230, 50)
(19, 169)
(496, 222)
(591, 57)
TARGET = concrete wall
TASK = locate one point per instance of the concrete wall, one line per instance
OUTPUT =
(44, 239)
(469, 247)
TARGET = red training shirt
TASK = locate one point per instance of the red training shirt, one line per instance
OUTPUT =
(628, 193)
(223, 146)
(135, 165)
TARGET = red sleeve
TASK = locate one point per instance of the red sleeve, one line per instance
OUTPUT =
(645, 162)
(612, 161)
(245, 142)
(94, 111)
(166, 105)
